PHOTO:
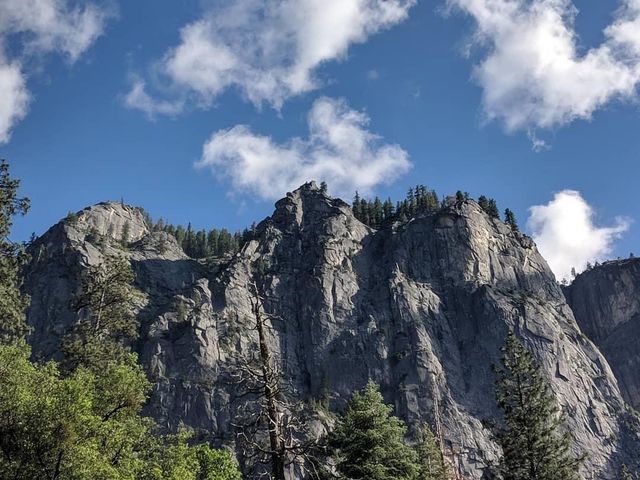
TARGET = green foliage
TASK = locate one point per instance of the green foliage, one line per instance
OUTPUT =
(368, 441)
(87, 426)
(489, 205)
(105, 301)
(430, 457)
(510, 219)
(58, 427)
(71, 218)
(216, 464)
(462, 196)
(203, 244)
(126, 233)
(171, 458)
(377, 214)
(12, 257)
(533, 449)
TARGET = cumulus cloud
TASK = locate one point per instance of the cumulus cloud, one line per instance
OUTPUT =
(339, 150)
(567, 236)
(270, 50)
(14, 100)
(42, 27)
(533, 73)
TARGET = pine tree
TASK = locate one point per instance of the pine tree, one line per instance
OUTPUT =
(411, 201)
(387, 210)
(107, 322)
(510, 219)
(376, 213)
(13, 326)
(356, 206)
(368, 442)
(483, 202)
(126, 233)
(492, 209)
(533, 448)
(323, 187)
(430, 457)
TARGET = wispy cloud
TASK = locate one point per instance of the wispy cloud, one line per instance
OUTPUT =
(139, 99)
(44, 26)
(567, 236)
(533, 74)
(268, 50)
(339, 150)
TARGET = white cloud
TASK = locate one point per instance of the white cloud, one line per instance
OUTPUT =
(139, 99)
(40, 27)
(339, 150)
(270, 49)
(534, 75)
(14, 99)
(567, 236)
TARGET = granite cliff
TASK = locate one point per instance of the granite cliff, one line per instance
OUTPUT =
(421, 307)
(606, 303)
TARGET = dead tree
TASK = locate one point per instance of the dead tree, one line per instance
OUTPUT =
(269, 410)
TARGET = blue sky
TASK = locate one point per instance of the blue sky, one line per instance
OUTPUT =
(455, 95)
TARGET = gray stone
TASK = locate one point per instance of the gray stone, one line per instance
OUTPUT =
(421, 308)
(606, 303)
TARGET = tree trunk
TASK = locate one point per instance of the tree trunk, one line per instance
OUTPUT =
(276, 438)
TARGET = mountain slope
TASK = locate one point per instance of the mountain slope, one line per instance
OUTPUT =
(422, 308)
(606, 303)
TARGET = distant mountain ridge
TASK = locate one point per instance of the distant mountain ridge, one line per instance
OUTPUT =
(421, 307)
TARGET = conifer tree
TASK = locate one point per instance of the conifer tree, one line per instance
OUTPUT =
(492, 209)
(368, 442)
(12, 257)
(411, 201)
(510, 219)
(533, 447)
(126, 232)
(430, 457)
(107, 322)
(356, 205)
(483, 202)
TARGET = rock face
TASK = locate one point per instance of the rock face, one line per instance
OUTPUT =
(422, 308)
(606, 303)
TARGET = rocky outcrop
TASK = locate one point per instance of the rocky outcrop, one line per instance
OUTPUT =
(606, 303)
(422, 308)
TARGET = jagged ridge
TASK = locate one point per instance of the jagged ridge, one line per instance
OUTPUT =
(422, 308)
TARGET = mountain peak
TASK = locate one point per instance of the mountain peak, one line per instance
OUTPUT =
(110, 219)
